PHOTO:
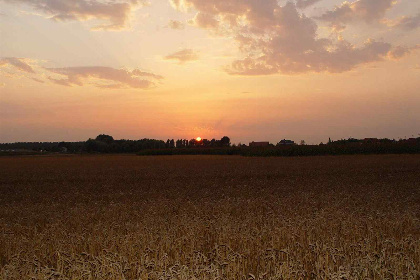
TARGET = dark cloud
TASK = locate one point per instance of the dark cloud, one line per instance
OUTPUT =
(114, 13)
(182, 56)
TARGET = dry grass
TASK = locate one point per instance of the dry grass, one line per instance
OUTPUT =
(210, 217)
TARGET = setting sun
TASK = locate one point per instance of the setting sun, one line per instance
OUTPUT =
(198, 139)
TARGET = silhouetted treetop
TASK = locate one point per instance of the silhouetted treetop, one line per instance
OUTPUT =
(105, 138)
(225, 141)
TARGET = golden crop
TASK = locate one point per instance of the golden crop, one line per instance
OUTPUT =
(210, 217)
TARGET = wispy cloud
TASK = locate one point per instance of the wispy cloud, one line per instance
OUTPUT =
(18, 63)
(100, 76)
(103, 77)
(183, 56)
(38, 80)
(115, 13)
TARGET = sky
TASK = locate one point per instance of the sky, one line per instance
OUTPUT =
(261, 70)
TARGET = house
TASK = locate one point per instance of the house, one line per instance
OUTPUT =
(259, 144)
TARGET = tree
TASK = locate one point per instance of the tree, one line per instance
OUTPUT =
(179, 143)
(105, 138)
(225, 141)
(302, 142)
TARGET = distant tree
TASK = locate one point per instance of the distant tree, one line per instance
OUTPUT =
(192, 143)
(92, 145)
(225, 141)
(213, 142)
(172, 143)
(105, 138)
(206, 143)
(302, 142)
(179, 143)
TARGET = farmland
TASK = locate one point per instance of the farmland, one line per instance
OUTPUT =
(210, 217)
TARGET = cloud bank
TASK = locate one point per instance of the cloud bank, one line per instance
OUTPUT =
(115, 13)
(280, 39)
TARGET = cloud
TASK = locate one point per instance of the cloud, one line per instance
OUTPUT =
(302, 4)
(368, 11)
(103, 77)
(139, 73)
(182, 56)
(204, 20)
(176, 24)
(280, 39)
(114, 13)
(400, 51)
(38, 80)
(408, 22)
(345, 57)
(18, 63)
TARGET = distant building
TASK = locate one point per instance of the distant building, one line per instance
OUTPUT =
(286, 142)
(259, 144)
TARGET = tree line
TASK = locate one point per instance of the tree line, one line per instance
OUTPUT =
(107, 144)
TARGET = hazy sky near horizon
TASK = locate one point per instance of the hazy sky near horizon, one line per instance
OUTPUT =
(249, 69)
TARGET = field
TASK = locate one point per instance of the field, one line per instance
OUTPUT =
(210, 217)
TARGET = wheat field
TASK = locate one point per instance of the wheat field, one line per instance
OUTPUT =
(210, 217)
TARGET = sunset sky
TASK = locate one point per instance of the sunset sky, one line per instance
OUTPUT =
(260, 70)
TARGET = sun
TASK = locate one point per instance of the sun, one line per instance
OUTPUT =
(198, 139)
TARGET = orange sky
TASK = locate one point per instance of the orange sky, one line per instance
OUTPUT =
(248, 69)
